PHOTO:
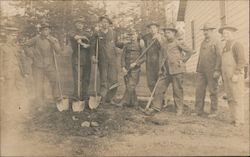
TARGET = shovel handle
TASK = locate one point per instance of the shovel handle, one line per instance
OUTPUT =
(96, 66)
(78, 70)
(152, 94)
(57, 74)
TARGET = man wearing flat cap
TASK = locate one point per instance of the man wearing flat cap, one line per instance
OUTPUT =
(208, 71)
(172, 67)
(232, 66)
(81, 36)
(107, 58)
(43, 62)
(152, 55)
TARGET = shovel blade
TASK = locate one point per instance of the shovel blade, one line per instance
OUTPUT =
(78, 106)
(62, 105)
(94, 102)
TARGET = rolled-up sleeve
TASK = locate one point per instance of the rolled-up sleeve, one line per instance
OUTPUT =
(218, 51)
(188, 51)
(238, 52)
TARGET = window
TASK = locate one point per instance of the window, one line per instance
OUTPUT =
(223, 18)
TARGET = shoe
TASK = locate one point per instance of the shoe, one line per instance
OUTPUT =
(194, 114)
(212, 115)
(112, 102)
(120, 104)
(150, 112)
(179, 112)
(238, 124)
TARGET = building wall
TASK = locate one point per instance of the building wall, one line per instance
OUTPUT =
(237, 14)
(209, 11)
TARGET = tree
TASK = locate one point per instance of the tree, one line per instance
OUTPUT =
(60, 15)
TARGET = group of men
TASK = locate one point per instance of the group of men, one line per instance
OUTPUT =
(164, 55)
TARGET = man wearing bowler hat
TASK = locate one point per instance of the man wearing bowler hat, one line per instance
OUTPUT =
(152, 55)
(107, 59)
(172, 67)
(43, 62)
(81, 36)
(208, 71)
(232, 66)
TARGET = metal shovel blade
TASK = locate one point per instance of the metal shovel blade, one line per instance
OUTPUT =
(94, 102)
(63, 104)
(78, 106)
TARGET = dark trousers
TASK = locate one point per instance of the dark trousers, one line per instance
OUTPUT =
(108, 77)
(130, 96)
(152, 69)
(177, 82)
(203, 81)
(85, 70)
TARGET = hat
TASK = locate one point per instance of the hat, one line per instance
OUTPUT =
(105, 17)
(152, 23)
(45, 25)
(131, 31)
(80, 19)
(207, 26)
(171, 27)
(227, 27)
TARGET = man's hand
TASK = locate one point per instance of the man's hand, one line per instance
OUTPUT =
(216, 75)
(78, 37)
(79, 41)
(142, 44)
(235, 78)
(125, 71)
(94, 60)
(85, 45)
(53, 40)
(157, 36)
(133, 65)
(180, 62)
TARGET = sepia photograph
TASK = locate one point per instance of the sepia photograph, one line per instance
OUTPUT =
(124, 78)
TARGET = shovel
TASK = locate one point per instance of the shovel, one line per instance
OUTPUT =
(94, 102)
(152, 94)
(136, 61)
(78, 106)
(63, 103)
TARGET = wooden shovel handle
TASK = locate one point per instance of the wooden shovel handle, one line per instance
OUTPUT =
(78, 70)
(96, 66)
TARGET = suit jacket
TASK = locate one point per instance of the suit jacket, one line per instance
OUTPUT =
(174, 56)
(85, 52)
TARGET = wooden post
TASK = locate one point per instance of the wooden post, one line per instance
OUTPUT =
(193, 34)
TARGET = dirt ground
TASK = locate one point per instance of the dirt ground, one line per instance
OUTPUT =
(122, 131)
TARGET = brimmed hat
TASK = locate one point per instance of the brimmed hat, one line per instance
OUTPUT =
(105, 17)
(207, 26)
(171, 27)
(153, 23)
(227, 27)
(131, 31)
(80, 19)
(45, 25)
